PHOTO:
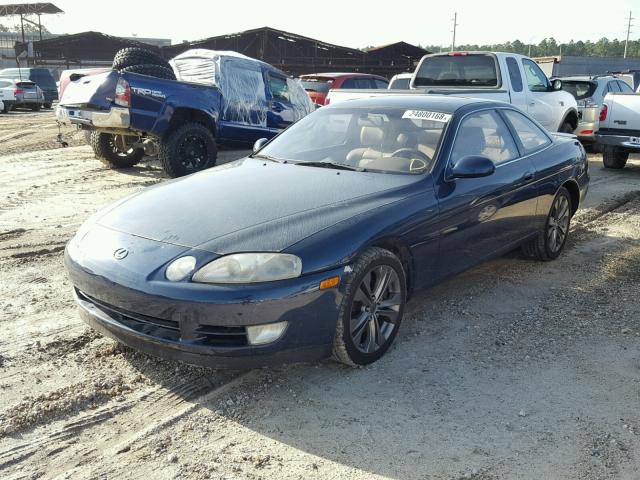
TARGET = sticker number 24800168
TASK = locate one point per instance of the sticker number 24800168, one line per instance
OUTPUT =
(426, 115)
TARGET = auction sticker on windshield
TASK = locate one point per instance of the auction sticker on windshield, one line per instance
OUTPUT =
(426, 115)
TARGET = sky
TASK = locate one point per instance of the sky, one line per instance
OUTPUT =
(354, 24)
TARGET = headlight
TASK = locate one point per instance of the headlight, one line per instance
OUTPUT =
(180, 268)
(250, 268)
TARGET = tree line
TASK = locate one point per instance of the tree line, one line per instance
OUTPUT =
(550, 46)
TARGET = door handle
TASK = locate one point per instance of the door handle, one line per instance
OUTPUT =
(528, 176)
(532, 104)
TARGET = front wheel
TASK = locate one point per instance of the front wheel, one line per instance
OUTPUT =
(566, 127)
(614, 157)
(549, 243)
(372, 308)
(188, 148)
(114, 152)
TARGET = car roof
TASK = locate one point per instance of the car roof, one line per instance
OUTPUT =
(438, 103)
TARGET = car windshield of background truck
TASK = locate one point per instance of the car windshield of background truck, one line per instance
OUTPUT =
(390, 140)
(457, 70)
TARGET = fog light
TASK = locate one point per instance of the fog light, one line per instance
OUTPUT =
(261, 334)
(180, 268)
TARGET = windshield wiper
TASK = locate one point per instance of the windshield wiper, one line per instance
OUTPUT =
(268, 157)
(336, 166)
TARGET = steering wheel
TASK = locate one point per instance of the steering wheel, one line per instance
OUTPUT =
(415, 155)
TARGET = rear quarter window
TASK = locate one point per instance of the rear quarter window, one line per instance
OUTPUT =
(579, 89)
(458, 71)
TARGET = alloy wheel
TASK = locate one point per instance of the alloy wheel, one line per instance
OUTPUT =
(558, 224)
(375, 309)
(193, 152)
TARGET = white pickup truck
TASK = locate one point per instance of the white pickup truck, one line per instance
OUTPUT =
(619, 130)
(507, 77)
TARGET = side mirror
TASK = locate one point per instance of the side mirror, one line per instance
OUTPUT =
(473, 166)
(259, 144)
(556, 85)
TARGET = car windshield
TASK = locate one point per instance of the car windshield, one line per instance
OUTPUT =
(389, 140)
(316, 85)
(579, 89)
(400, 83)
(458, 70)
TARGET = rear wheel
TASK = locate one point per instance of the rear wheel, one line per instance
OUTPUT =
(47, 105)
(549, 243)
(372, 308)
(7, 108)
(115, 152)
(188, 148)
(614, 157)
(35, 108)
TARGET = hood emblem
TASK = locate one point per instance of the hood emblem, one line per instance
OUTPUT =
(120, 253)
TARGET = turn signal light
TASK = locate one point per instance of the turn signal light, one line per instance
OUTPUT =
(329, 283)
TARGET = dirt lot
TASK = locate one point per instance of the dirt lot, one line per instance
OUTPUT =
(515, 369)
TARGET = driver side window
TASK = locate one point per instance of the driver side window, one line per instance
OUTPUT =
(484, 133)
(536, 79)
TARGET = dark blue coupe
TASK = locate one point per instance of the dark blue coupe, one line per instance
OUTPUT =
(311, 246)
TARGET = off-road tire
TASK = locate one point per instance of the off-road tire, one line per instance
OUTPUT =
(128, 57)
(157, 71)
(538, 247)
(614, 157)
(344, 349)
(171, 157)
(102, 145)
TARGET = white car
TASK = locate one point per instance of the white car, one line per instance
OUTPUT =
(506, 77)
(2, 108)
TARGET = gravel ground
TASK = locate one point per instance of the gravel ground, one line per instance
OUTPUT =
(515, 369)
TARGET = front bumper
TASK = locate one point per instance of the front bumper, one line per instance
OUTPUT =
(206, 324)
(624, 141)
(115, 117)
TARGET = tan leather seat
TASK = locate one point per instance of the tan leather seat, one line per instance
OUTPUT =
(371, 140)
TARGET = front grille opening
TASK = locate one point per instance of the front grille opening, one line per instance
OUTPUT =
(212, 335)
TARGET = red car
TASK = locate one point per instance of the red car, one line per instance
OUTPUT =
(318, 85)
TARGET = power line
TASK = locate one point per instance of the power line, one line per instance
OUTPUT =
(626, 42)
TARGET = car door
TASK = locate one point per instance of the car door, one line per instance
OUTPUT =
(281, 113)
(244, 103)
(480, 217)
(518, 94)
(542, 102)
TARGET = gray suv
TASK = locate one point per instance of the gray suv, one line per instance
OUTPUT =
(589, 92)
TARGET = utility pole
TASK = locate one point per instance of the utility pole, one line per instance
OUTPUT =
(626, 42)
(455, 25)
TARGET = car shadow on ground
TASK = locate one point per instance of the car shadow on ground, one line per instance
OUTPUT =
(481, 373)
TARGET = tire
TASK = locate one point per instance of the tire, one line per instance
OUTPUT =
(47, 105)
(353, 347)
(566, 127)
(35, 108)
(545, 246)
(128, 57)
(106, 150)
(614, 157)
(188, 148)
(7, 108)
(156, 71)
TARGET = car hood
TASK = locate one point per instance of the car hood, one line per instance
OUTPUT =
(252, 205)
